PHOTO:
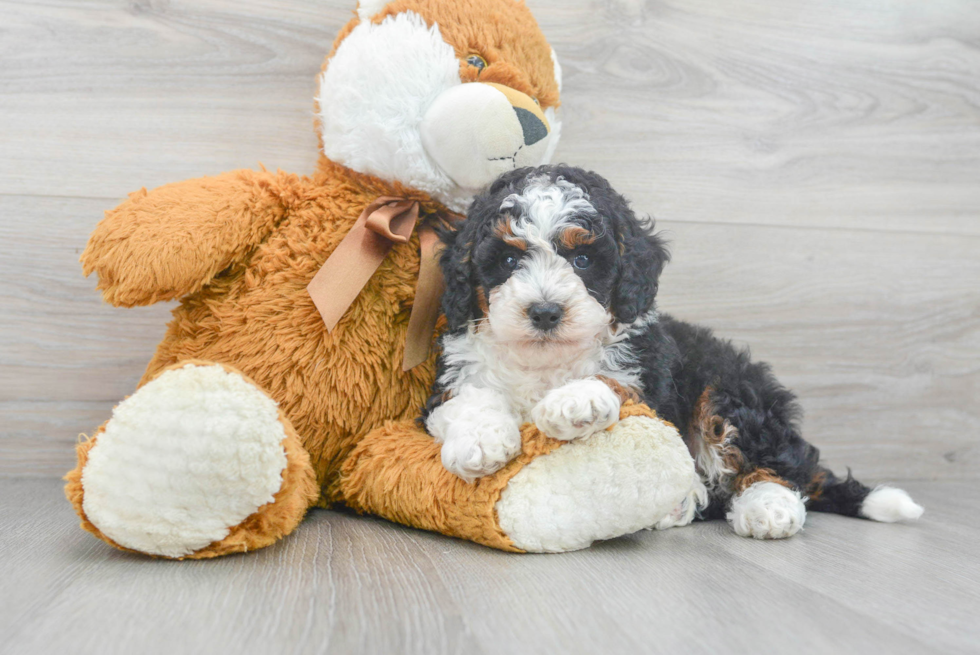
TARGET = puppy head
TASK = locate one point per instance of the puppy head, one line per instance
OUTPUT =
(551, 255)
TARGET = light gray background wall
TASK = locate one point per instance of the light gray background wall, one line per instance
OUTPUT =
(815, 164)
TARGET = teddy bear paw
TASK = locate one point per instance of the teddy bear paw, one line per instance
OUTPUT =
(187, 457)
(685, 511)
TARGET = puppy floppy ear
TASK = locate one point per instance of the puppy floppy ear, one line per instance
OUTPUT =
(456, 262)
(643, 256)
(459, 301)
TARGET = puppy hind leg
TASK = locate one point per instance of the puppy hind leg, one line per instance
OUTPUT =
(847, 496)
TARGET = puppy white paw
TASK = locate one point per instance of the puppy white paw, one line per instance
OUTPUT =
(478, 432)
(576, 410)
(473, 449)
(767, 510)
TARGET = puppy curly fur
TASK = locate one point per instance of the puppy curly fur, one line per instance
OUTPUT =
(559, 242)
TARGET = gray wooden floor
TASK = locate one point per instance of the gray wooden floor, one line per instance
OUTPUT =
(348, 584)
(816, 164)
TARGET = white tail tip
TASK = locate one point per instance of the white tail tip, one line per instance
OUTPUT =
(888, 504)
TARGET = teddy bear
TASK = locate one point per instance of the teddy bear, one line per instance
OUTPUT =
(299, 356)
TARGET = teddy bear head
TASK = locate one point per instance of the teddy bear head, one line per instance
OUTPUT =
(440, 95)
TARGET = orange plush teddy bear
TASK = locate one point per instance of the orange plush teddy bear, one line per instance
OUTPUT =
(253, 410)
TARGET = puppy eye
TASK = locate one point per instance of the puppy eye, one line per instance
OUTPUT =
(581, 261)
(510, 261)
(477, 62)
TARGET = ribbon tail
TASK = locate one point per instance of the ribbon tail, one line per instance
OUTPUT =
(342, 277)
(425, 309)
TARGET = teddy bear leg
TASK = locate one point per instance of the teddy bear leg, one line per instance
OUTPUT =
(555, 496)
(199, 462)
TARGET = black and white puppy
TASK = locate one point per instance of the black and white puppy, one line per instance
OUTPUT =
(550, 301)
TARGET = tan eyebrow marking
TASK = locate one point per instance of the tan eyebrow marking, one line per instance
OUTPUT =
(575, 236)
(505, 231)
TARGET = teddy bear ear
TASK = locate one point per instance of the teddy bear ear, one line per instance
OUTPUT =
(367, 9)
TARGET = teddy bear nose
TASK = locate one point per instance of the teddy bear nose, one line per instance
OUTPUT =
(534, 129)
(545, 316)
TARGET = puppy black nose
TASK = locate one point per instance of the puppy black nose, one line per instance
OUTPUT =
(534, 129)
(545, 315)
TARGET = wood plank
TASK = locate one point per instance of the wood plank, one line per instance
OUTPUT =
(879, 333)
(825, 114)
(355, 584)
(103, 98)
(38, 437)
(831, 114)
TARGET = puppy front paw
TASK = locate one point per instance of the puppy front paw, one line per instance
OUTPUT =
(473, 449)
(576, 410)
(477, 431)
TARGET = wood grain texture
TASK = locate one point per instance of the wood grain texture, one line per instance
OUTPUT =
(815, 165)
(347, 584)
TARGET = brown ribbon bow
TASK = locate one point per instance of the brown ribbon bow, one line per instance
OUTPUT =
(381, 225)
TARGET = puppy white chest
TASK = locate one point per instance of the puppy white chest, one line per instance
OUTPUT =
(522, 375)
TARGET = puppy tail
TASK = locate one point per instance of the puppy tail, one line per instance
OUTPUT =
(828, 493)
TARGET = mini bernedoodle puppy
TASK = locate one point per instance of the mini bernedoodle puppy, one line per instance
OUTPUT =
(550, 289)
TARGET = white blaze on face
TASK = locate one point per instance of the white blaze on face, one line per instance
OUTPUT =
(544, 208)
(542, 211)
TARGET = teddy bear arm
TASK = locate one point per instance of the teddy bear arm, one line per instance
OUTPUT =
(173, 240)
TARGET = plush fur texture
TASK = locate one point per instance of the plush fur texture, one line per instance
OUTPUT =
(374, 96)
(295, 485)
(552, 505)
(550, 300)
(238, 251)
(183, 460)
(388, 73)
(255, 314)
(553, 497)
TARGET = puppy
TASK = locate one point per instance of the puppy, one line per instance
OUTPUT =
(550, 301)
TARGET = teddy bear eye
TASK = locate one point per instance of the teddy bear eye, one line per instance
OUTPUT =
(536, 101)
(477, 62)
